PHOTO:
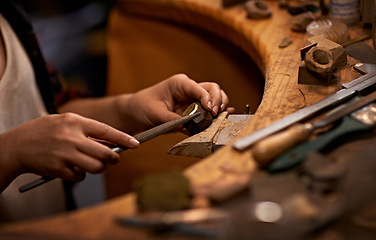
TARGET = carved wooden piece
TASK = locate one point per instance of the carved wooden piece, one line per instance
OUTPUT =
(200, 145)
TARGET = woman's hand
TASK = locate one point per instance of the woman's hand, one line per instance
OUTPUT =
(62, 145)
(168, 99)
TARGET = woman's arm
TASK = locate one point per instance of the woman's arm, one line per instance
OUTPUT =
(160, 103)
(68, 145)
(62, 145)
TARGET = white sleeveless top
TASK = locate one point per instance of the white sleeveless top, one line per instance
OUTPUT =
(20, 101)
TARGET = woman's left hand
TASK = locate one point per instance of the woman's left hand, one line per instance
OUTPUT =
(168, 99)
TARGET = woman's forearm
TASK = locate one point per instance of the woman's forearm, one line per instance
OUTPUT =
(107, 110)
(9, 167)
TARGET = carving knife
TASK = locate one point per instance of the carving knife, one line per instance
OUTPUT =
(358, 124)
(350, 90)
(141, 137)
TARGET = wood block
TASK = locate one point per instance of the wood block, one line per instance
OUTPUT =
(339, 54)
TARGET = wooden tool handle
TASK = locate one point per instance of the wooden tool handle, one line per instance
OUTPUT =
(271, 147)
(349, 129)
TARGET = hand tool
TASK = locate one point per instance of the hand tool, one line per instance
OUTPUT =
(350, 90)
(269, 148)
(141, 137)
(359, 124)
(364, 68)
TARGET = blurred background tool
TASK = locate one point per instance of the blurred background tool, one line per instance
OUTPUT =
(359, 124)
(350, 90)
(268, 149)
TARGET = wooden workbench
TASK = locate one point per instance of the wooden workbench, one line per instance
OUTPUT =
(282, 96)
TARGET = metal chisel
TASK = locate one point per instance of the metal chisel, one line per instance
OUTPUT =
(358, 124)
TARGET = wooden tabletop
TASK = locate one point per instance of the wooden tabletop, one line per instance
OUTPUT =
(282, 95)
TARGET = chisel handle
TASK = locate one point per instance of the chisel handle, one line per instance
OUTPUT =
(348, 129)
(271, 147)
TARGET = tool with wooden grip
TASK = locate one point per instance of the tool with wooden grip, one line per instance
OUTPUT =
(192, 112)
(350, 90)
(358, 124)
(271, 147)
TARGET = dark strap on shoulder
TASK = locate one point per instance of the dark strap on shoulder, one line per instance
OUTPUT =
(13, 11)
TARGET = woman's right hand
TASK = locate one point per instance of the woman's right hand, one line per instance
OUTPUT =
(62, 145)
